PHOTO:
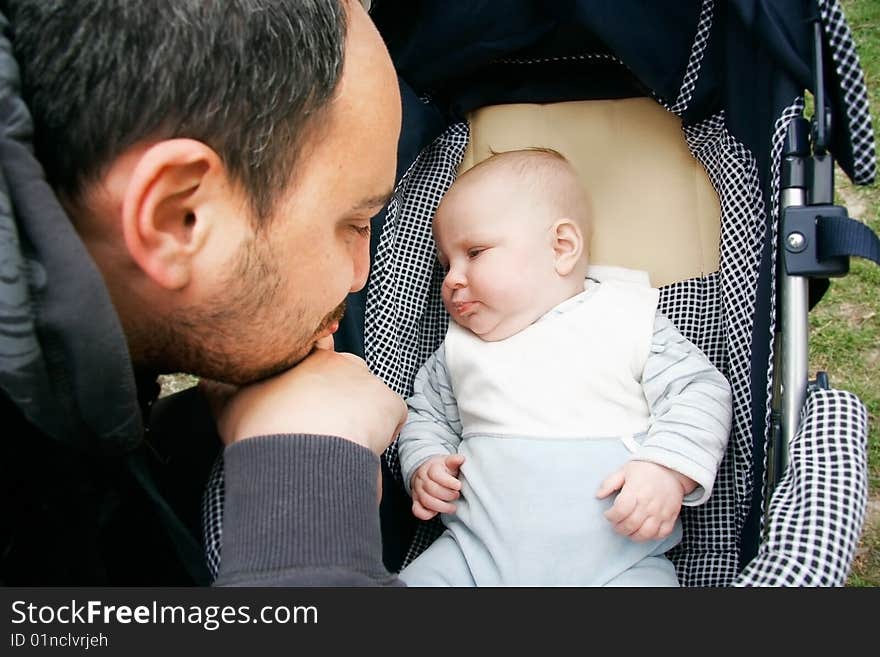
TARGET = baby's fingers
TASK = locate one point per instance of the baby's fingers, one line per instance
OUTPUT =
(666, 528)
(612, 483)
(421, 512)
(649, 530)
(441, 476)
(632, 524)
(622, 508)
(440, 491)
(453, 463)
(436, 505)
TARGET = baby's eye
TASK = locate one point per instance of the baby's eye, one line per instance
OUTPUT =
(473, 253)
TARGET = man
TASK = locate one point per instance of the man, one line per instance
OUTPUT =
(220, 163)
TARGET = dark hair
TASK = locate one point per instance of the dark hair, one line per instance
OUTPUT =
(243, 76)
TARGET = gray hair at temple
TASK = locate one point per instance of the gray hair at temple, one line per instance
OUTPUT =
(246, 77)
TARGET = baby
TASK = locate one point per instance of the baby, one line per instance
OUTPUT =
(551, 392)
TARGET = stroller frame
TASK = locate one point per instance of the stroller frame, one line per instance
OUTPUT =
(796, 511)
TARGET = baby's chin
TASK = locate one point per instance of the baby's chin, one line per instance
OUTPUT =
(500, 331)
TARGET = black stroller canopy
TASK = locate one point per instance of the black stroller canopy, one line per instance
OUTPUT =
(695, 56)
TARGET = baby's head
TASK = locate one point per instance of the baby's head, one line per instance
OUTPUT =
(513, 233)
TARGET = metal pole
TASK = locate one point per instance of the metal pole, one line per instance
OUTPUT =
(794, 291)
(791, 342)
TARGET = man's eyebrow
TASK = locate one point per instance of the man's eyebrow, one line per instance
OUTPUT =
(377, 201)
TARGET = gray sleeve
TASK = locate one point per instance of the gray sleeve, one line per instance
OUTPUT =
(301, 510)
(433, 425)
(691, 410)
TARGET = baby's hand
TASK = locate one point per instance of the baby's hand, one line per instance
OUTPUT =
(434, 485)
(649, 500)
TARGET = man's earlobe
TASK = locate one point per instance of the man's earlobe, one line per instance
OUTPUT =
(568, 245)
(165, 208)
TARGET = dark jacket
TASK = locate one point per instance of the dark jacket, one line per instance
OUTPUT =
(80, 487)
(101, 484)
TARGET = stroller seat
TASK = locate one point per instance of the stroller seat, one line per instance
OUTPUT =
(654, 208)
(705, 264)
(735, 75)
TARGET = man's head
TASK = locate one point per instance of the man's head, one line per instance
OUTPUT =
(513, 233)
(221, 161)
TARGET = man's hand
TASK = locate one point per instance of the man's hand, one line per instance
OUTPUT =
(649, 501)
(327, 393)
(435, 485)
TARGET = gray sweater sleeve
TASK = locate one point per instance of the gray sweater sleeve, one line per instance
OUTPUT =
(691, 409)
(433, 425)
(301, 510)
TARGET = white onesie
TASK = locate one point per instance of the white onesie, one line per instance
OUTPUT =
(542, 418)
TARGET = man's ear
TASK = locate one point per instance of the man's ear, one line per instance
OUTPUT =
(166, 208)
(568, 245)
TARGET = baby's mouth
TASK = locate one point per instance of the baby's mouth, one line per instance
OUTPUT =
(464, 307)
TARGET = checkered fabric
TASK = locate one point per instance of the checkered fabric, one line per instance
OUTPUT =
(855, 93)
(212, 515)
(405, 318)
(704, 28)
(406, 323)
(563, 58)
(817, 511)
(695, 307)
(790, 113)
(716, 314)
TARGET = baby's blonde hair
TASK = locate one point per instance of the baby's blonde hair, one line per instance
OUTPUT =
(549, 176)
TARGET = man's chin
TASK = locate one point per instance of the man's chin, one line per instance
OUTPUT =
(251, 374)
(281, 367)
(291, 361)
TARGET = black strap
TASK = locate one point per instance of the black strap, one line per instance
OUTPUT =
(843, 236)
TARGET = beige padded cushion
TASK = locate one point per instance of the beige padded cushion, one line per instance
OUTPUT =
(654, 207)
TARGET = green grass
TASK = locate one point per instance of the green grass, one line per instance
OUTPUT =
(845, 327)
(866, 570)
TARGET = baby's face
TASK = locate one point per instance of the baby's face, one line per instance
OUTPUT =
(498, 255)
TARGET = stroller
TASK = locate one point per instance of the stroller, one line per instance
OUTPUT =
(725, 84)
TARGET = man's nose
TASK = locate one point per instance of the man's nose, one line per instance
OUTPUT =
(360, 265)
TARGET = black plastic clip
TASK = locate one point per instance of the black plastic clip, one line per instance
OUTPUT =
(800, 241)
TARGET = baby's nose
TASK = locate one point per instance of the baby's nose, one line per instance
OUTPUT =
(454, 279)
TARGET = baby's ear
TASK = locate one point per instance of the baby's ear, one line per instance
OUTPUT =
(568, 245)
